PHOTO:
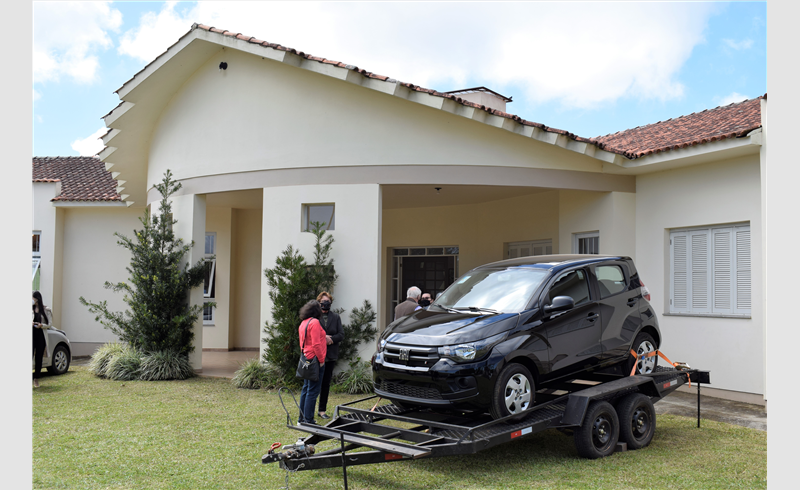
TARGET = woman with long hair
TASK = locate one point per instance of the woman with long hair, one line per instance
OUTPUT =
(313, 344)
(41, 322)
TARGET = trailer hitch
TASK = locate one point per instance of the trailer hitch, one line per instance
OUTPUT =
(294, 451)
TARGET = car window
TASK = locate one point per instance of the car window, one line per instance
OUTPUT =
(610, 280)
(572, 284)
(506, 290)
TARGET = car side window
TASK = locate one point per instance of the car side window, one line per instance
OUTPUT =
(610, 280)
(572, 284)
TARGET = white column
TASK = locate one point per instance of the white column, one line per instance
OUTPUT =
(190, 212)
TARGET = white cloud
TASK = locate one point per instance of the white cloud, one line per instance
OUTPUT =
(579, 54)
(731, 98)
(36, 95)
(67, 36)
(91, 145)
(738, 45)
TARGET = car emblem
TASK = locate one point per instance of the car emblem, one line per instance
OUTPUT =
(404, 354)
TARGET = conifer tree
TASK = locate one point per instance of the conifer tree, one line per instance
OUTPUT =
(159, 318)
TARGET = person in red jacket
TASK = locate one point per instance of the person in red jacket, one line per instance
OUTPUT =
(314, 344)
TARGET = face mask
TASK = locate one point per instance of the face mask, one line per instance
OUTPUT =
(326, 305)
(424, 302)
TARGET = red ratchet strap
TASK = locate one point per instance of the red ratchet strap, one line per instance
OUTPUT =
(275, 445)
(661, 355)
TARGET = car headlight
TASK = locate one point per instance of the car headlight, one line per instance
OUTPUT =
(383, 345)
(471, 351)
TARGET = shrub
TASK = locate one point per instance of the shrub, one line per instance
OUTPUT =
(124, 365)
(100, 359)
(253, 375)
(159, 317)
(166, 364)
(356, 380)
(360, 329)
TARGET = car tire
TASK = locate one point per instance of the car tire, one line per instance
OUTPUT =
(643, 343)
(60, 361)
(514, 392)
(637, 420)
(598, 435)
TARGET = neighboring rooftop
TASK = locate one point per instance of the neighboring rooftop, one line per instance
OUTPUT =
(730, 121)
(82, 178)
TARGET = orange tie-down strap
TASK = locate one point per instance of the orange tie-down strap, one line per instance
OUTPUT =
(661, 355)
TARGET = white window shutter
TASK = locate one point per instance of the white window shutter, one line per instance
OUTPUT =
(679, 290)
(722, 270)
(699, 261)
(742, 291)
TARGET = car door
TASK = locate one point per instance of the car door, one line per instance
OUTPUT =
(573, 335)
(619, 308)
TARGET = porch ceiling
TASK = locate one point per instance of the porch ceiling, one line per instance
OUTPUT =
(248, 199)
(425, 196)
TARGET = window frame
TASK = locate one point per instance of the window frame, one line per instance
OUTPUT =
(305, 224)
(207, 295)
(727, 275)
(577, 237)
(37, 254)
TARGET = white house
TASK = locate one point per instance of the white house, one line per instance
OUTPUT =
(418, 186)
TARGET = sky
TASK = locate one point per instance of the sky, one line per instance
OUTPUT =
(591, 68)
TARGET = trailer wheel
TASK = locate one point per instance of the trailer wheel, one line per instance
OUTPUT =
(598, 435)
(642, 344)
(514, 391)
(637, 419)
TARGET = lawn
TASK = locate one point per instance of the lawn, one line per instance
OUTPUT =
(204, 433)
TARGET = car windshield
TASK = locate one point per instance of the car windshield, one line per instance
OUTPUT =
(502, 290)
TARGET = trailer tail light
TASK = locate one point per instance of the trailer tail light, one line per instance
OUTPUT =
(645, 291)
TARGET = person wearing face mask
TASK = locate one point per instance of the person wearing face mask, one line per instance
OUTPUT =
(334, 334)
(424, 302)
(41, 322)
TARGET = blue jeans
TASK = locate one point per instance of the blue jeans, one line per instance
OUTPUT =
(308, 397)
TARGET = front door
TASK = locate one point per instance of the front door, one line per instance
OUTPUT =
(431, 274)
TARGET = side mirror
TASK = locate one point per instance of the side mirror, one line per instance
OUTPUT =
(560, 303)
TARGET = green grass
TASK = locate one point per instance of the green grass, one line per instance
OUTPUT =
(198, 433)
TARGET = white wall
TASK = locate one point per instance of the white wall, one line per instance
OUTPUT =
(710, 194)
(218, 220)
(92, 257)
(44, 220)
(247, 275)
(613, 214)
(355, 251)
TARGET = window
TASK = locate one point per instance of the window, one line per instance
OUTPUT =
(610, 280)
(572, 284)
(710, 270)
(526, 249)
(323, 213)
(37, 242)
(586, 243)
(209, 286)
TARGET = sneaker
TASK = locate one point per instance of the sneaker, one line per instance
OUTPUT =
(35, 383)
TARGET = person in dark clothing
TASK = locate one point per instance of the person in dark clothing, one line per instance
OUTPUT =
(334, 334)
(41, 322)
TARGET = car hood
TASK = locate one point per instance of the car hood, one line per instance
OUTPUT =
(435, 328)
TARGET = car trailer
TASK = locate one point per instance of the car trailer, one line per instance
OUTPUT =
(605, 413)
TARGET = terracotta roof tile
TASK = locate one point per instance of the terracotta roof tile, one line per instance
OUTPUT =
(731, 121)
(82, 178)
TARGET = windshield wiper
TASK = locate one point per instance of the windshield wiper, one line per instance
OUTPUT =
(477, 309)
(450, 310)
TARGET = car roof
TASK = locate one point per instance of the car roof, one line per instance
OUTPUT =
(552, 262)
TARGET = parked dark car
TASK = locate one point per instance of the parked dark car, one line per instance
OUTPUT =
(506, 329)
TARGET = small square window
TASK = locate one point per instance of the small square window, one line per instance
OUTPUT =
(37, 243)
(322, 213)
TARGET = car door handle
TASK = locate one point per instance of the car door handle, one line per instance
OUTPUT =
(632, 302)
(592, 317)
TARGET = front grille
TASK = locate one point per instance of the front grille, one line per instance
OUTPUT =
(408, 390)
(420, 357)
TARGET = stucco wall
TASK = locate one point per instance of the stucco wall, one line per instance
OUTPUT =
(91, 257)
(613, 214)
(246, 270)
(270, 115)
(711, 194)
(44, 220)
(357, 240)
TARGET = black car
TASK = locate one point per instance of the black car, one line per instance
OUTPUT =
(506, 329)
